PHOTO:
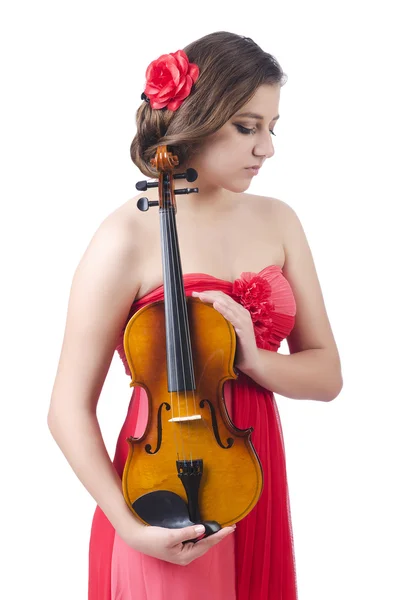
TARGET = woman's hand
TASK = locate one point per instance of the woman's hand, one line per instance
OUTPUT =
(167, 545)
(246, 351)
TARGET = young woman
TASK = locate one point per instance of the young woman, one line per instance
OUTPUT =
(216, 105)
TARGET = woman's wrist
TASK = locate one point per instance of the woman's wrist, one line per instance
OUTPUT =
(126, 523)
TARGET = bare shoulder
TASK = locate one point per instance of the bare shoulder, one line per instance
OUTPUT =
(268, 207)
(267, 203)
(276, 208)
(265, 223)
(104, 285)
(115, 245)
(285, 219)
(126, 229)
(312, 327)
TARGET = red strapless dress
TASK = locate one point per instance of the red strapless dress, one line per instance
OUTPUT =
(257, 561)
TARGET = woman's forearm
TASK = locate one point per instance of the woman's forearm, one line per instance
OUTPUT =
(310, 374)
(77, 433)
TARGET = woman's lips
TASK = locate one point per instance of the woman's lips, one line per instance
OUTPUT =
(253, 170)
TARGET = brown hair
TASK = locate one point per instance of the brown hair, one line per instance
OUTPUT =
(232, 67)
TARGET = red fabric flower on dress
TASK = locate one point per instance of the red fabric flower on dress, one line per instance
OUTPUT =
(169, 80)
(254, 292)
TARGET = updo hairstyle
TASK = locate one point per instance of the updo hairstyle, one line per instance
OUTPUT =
(232, 67)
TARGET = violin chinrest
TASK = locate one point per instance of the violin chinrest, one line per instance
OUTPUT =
(166, 509)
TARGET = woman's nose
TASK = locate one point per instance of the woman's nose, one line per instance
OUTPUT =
(264, 148)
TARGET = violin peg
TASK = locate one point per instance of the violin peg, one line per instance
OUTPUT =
(144, 203)
(142, 186)
(190, 175)
(186, 191)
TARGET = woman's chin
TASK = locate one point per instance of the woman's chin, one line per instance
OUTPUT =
(238, 187)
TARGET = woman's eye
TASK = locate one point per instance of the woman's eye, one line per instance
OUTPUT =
(244, 130)
(247, 131)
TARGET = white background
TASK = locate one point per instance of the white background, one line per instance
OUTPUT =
(71, 77)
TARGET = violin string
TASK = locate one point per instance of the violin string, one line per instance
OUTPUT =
(189, 350)
(185, 320)
(185, 317)
(168, 222)
(165, 231)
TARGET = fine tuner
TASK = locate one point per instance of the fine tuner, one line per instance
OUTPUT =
(144, 203)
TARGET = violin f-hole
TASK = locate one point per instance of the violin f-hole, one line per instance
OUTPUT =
(148, 447)
(230, 441)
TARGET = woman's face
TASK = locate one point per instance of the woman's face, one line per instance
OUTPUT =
(244, 141)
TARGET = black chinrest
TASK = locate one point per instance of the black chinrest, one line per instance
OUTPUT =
(166, 509)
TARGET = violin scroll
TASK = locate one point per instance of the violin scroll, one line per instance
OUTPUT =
(164, 163)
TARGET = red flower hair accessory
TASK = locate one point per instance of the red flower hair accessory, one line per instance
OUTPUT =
(169, 80)
(254, 293)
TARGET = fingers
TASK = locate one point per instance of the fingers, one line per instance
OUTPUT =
(213, 539)
(221, 302)
(212, 296)
(202, 546)
(186, 533)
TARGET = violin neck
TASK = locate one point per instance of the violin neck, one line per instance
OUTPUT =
(178, 344)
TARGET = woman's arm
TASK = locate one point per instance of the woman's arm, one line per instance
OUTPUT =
(103, 289)
(307, 375)
(312, 370)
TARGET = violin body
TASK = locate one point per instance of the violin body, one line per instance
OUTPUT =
(231, 480)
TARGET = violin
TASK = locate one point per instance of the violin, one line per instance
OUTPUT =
(192, 465)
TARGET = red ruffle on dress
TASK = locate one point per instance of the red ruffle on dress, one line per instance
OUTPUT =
(257, 561)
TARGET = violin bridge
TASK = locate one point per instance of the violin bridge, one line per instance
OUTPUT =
(181, 419)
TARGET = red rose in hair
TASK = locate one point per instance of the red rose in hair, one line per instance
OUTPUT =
(169, 80)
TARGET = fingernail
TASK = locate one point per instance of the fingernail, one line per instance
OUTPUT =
(199, 529)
